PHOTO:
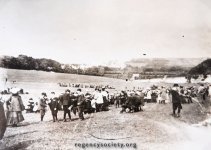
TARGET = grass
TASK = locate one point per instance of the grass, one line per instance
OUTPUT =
(152, 129)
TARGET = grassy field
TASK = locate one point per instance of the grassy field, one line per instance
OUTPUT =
(154, 128)
(40, 80)
(36, 82)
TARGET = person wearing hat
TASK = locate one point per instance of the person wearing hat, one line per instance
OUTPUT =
(176, 100)
(15, 107)
(30, 105)
(66, 102)
(43, 105)
(54, 107)
(80, 104)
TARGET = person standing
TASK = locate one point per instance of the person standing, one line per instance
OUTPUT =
(3, 120)
(65, 100)
(201, 93)
(99, 101)
(176, 100)
(80, 104)
(209, 92)
(149, 95)
(163, 95)
(43, 105)
(105, 99)
(15, 107)
(54, 107)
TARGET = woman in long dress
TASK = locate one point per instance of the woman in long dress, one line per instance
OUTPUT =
(3, 120)
(15, 107)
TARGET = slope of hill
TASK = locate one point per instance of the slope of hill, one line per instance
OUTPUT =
(202, 68)
(155, 66)
(165, 62)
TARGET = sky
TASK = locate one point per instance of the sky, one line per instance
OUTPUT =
(103, 31)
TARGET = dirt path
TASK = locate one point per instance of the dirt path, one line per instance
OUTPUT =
(154, 128)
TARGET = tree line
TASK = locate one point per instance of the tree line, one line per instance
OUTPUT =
(28, 63)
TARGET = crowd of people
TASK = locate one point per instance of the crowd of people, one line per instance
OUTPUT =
(81, 85)
(81, 102)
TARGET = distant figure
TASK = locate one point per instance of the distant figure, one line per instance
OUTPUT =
(15, 107)
(176, 101)
(54, 107)
(163, 95)
(105, 100)
(149, 96)
(117, 100)
(65, 100)
(36, 107)
(30, 105)
(3, 121)
(202, 93)
(209, 92)
(80, 104)
(99, 101)
(43, 105)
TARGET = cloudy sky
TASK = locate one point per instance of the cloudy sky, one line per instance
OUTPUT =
(99, 31)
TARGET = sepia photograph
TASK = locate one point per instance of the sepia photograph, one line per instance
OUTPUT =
(105, 74)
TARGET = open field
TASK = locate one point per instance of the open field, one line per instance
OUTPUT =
(39, 81)
(154, 128)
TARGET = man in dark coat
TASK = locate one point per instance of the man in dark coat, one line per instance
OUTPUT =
(43, 105)
(54, 107)
(80, 104)
(3, 121)
(65, 100)
(176, 100)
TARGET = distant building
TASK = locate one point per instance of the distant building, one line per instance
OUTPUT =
(135, 76)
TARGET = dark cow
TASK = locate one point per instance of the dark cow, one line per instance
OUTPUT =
(133, 103)
(3, 121)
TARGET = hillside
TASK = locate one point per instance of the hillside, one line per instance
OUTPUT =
(24, 62)
(146, 67)
(202, 68)
(156, 63)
